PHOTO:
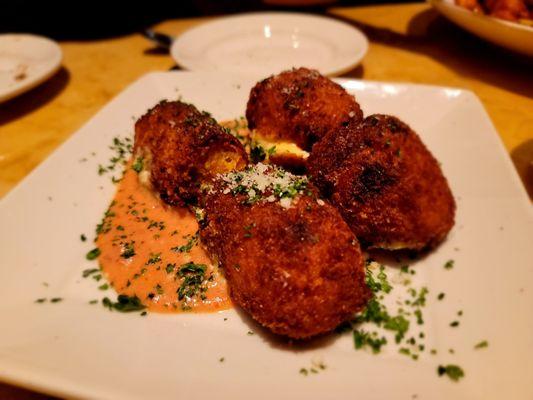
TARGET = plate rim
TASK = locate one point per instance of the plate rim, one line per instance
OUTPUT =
(40, 79)
(354, 61)
(42, 385)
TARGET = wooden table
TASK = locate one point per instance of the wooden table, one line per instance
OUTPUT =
(408, 43)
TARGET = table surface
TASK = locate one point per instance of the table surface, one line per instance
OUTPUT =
(408, 43)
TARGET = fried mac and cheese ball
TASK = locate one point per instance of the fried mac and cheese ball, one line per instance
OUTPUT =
(387, 185)
(295, 109)
(179, 148)
(290, 260)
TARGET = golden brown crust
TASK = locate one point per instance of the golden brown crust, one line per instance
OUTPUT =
(299, 106)
(184, 147)
(385, 182)
(298, 271)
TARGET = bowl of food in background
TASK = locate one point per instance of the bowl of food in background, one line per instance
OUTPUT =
(506, 23)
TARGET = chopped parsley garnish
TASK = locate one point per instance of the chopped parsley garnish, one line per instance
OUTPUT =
(138, 165)
(481, 345)
(453, 372)
(193, 240)
(41, 300)
(88, 272)
(170, 268)
(419, 318)
(93, 254)
(441, 296)
(398, 324)
(454, 324)
(56, 299)
(449, 264)
(381, 284)
(124, 303)
(105, 286)
(122, 148)
(128, 250)
(83, 238)
(154, 258)
(257, 153)
(193, 277)
(363, 339)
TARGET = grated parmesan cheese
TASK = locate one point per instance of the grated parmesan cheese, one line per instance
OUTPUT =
(263, 182)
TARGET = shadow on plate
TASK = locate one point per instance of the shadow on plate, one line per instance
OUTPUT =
(35, 98)
(357, 72)
(12, 392)
(432, 35)
(398, 258)
(283, 343)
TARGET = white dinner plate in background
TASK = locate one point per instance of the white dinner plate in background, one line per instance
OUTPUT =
(26, 61)
(511, 35)
(262, 44)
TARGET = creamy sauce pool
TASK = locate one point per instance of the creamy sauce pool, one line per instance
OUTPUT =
(152, 251)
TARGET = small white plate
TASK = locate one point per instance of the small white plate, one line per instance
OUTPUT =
(511, 35)
(25, 62)
(266, 43)
(74, 349)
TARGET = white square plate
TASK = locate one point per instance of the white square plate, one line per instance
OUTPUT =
(75, 349)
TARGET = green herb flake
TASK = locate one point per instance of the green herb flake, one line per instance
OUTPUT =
(83, 238)
(124, 303)
(41, 300)
(56, 299)
(481, 345)
(93, 254)
(363, 339)
(154, 258)
(449, 264)
(398, 324)
(88, 272)
(138, 165)
(453, 372)
(454, 324)
(419, 318)
(193, 240)
(304, 371)
(105, 286)
(441, 296)
(193, 277)
(128, 250)
(170, 268)
(93, 301)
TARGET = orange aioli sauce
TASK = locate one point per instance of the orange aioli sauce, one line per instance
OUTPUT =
(145, 245)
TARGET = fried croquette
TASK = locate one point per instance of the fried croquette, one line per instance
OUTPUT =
(181, 148)
(290, 260)
(299, 106)
(387, 185)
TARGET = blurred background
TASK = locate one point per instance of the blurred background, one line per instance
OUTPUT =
(100, 18)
